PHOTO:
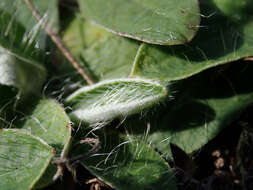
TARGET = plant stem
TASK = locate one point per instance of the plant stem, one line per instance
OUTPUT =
(59, 43)
(137, 59)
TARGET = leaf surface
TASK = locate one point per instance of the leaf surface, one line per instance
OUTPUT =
(164, 22)
(23, 159)
(220, 40)
(20, 73)
(125, 163)
(50, 122)
(106, 55)
(202, 106)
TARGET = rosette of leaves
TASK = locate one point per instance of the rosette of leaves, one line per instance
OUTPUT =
(142, 53)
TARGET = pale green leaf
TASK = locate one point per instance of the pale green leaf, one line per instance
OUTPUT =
(21, 73)
(110, 99)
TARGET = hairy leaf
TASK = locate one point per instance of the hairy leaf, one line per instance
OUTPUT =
(220, 40)
(165, 22)
(23, 159)
(21, 73)
(125, 163)
(114, 98)
(50, 122)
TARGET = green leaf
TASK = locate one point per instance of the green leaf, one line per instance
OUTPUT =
(220, 40)
(50, 122)
(110, 99)
(81, 34)
(111, 57)
(202, 106)
(157, 22)
(125, 163)
(105, 54)
(23, 159)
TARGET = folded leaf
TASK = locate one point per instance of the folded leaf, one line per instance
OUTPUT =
(114, 98)
(25, 75)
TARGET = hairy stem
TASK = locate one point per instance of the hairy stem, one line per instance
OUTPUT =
(59, 43)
